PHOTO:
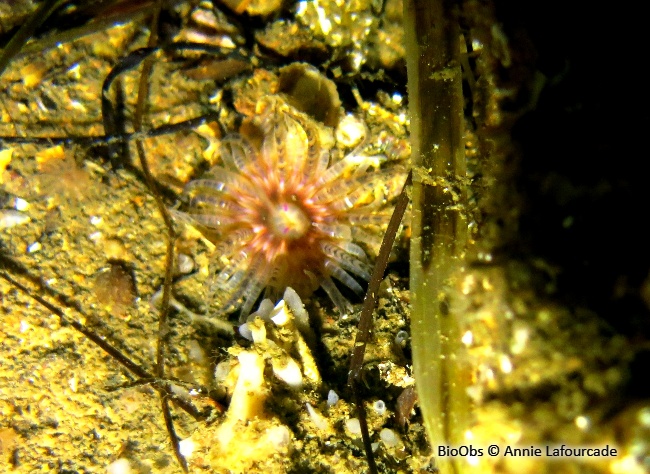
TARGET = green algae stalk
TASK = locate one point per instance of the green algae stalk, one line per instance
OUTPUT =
(439, 223)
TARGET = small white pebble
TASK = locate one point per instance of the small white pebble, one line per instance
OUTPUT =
(24, 326)
(95, 220)
(35, 247)
(401, 338)
(180, 392)
(186, 447)
(280, 436)
(288, 371)
(206, 18)
(121, 466)
(350, 131)
(582, 422)
(505, 363)
(379, 407)
(185, 263)
(245, 332)
(11, 218)
(319, 420)
(353, 426)
(73, 383)
(20, 204)
(332, 398)
(389, 437)
(520, 336)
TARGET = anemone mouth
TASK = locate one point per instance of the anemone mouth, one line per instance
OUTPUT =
(289, 221)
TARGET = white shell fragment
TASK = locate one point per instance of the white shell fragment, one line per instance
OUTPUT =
(250, 391)
(278, 355)
(401, 338)
(379, 407)
(262, 328)
(186, 447)
(332, 398)
(353, 426)
(288, 371)
(280, 314)
(120, 466)
(298, 310)
(258, 331)
(245, 332)
(185, 263)
(221, 372)
(319, 420)
(389, 437)
(263, 312)
(35, 247)
(351, 131)
(20, 204)
(280, 436)
(11, 218)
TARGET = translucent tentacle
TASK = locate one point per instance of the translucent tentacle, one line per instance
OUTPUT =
(279, 269)
(230, 300)
(231, 285)
(297, 145)
(213, 221)
(366, 193)
(341, 303)
(371, 240)
(236, 239)
(221, 174)
(218, 183)
(300, 157)
(343, 187)
(342, 232)
(253, 291)
(182, 217)
(344, 277)
(235, 266)
(346, 261)
(257, 280)
(227, 286)
(337, 170)
(374, 218)
(316, 160)
(353, 249)
(271, 292)
(237, 153)
(273, 148)
(214, 203)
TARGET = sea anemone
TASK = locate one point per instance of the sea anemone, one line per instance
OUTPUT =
(287, 214)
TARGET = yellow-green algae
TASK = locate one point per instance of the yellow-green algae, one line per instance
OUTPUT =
(439, 218)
